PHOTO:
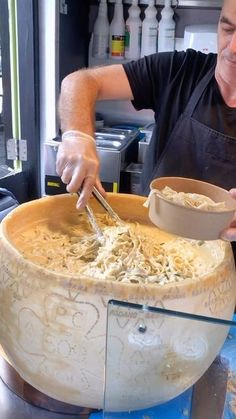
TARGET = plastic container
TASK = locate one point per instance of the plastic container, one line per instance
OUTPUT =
(185, 221)
(142, 150)
(149, 30)
(166, 36)
(100, 45)
(201, 38)
(117, 32)
(134, 171)
(133, 30)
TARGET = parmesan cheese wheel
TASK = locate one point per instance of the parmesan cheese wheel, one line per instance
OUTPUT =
(53, 323)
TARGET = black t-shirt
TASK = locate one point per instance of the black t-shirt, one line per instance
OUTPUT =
(164, 83)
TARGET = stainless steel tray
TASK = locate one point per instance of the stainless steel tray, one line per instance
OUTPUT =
(108, 144)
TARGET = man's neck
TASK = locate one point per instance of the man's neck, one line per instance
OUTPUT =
(228, 92)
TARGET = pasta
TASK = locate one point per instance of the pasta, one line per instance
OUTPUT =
(131, 252)
(192, 200)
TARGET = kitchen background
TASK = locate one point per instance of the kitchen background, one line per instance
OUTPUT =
(34, 62)
(70, 28)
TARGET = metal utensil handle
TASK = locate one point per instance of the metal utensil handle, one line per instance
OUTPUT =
(105, 205)
(93, 222)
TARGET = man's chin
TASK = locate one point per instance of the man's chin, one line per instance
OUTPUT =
(230, 80)
(227, 73)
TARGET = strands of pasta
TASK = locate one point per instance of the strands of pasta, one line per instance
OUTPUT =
(192, 200)
(128, 254)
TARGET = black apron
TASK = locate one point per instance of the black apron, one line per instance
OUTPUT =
(194, 150)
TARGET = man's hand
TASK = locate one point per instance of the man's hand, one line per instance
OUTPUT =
(78, 165)
(229, 233)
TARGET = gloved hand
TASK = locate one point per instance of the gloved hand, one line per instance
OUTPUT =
(230, 232)
(77, 164)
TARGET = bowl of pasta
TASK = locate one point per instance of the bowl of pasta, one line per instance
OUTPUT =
(190, 208)
(55, 283)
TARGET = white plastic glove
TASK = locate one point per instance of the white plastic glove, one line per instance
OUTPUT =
(229, 233)
(77, 164)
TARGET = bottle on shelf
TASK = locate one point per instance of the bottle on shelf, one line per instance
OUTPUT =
(100, 43)
(133, 29)
(117, 32)
(166, 36)
(149, 30)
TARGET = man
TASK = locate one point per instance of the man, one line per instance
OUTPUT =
(193, 96)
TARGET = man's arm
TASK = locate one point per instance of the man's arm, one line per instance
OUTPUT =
(77, 159)
(80, 91)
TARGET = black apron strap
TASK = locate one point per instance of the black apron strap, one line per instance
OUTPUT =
(197, 93)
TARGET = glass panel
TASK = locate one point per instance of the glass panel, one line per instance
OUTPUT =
(168, 365)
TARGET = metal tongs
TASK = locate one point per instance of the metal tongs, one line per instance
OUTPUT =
(91, 217)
